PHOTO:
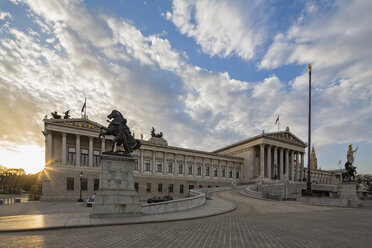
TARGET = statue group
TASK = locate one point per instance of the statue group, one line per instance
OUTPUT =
(121, 132)
(350, 170)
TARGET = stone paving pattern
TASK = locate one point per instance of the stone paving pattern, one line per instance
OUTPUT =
(255, 223)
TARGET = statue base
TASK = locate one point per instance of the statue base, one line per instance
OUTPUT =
(348, 191)
(116, 195)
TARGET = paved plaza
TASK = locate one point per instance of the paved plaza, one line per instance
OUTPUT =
(254, 223)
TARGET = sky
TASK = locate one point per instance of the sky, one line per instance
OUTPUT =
(206, 73)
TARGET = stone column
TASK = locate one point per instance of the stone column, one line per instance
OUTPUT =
(268, 167)
(251, 162)
(49, 147)
(175, 165)
(281, 164)
(219, 169)
(233, 171)
(262, 160)
(302, 165)
(276, 162)
(297, 166)
(194, 172)
(287, 164)
(90, 164)
(203, 168)
(292, 166)
(153, 162)
(78, 153)
(64, 149)
(103, 145)
(141, 160)
(165, 166)
(211, 170)
(184, 166)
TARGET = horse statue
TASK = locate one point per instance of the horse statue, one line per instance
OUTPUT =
(67, 115)
(349, 173)
(156, 135)
(55, 115)
(121, 132)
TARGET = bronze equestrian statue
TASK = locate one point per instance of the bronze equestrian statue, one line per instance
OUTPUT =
(121, 132)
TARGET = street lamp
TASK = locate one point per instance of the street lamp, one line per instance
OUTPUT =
(81, 182)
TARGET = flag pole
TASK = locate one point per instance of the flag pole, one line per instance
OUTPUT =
(308, 184)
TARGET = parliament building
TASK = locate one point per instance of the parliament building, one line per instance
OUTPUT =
(73, 149)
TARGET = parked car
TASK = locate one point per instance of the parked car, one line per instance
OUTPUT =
(90, 200)
(168, 197)
(156, 199)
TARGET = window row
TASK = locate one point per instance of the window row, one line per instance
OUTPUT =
(84, 157)
(159, 168)
(83, 185)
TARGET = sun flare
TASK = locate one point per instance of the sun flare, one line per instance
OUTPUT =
(30, 158)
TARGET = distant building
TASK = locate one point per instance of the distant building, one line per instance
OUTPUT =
(313, 160)
(72, 146)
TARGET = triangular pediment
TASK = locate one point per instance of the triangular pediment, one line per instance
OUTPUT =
(286, 136)
(79, 123)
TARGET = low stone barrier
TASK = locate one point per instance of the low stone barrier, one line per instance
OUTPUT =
(197, 199)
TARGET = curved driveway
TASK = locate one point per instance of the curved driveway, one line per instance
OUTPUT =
(255, 223)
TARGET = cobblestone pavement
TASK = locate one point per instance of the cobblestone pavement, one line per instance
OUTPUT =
(255, 223)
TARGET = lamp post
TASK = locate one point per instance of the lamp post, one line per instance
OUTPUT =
(308, 184)
(81, 181)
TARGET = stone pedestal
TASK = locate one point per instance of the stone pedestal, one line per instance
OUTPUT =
(116, 195)
(348, 191)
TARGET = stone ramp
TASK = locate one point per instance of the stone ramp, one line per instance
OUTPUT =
(75, 220)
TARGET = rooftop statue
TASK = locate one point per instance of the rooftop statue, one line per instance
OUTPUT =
(55, 115)
(67, 115)
(121, 132)
(349, 168)
(156, 135)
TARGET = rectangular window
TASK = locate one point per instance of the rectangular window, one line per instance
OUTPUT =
(170, 188)
(180, 168)
(84, 157)
(136, 165)
(207, 171)
(237, 174)
(190, 169)
(70, 184)
(223, 173)
(96, 184)
(159, 167)
(160, 187)
(71, 156)
(147, 165)
(230, 173)
(84, 184)
(200, 186)
(181, 188)
(215, 172)
(170, 167)
(199, 170)
(148, 187)
(96, 157)
(136, 186)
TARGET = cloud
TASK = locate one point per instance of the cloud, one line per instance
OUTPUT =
(221, 28)
(337, 43)
(4, 15)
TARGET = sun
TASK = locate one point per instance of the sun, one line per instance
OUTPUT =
(31, 158)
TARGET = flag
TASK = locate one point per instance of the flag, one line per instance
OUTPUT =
(277, 119)
(84, 106)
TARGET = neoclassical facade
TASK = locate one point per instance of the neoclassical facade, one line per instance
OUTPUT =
(72, 148)
(277, 155)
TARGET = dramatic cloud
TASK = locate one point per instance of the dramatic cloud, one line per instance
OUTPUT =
(222, 28)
